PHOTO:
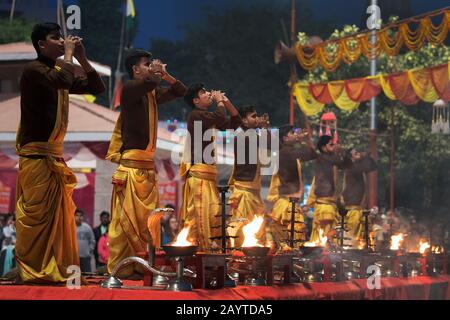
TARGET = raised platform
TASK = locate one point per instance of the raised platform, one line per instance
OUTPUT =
(420, 288)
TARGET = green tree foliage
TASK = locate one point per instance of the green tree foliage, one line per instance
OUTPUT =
(97, 17)
(101, 29)
(16, 31)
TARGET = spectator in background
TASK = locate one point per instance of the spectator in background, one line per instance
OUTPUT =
(168, 233)
(2, 224)
(103, 250)
(7, 261)
(173, 224)
(86, 241)
(3, 220)
(99, 232)
(9, 231)
(169, 230)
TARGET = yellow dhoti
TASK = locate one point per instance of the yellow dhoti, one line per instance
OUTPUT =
(281, 215)
(201, 204)
(135, 196)
(245, 202)
(45, 221)
(281, 212)
(325, 218)
(45, 212)
(135, 193)
(354, 224)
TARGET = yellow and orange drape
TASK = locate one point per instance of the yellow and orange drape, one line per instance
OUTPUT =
(46, 243)
(429, 85)
(412, 33)
(135, 193)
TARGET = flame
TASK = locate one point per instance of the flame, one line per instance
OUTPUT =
(437, 249)
(423, 246)
(182, 240)
(361, 245)
(396, 241)
(321, 242)
(250, 230)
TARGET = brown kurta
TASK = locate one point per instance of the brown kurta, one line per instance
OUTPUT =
(288, 172)
(46, 246)
(246, 171)
(354, 184)
(135, 114)
(325, 184)
(217, 119)
(201, 205)
(39, 85)
(135, 192)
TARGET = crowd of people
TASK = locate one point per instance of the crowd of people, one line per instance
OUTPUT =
(93, 245)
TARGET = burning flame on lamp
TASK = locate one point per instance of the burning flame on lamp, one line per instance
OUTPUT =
(250, 230)
(361, 245)
(396, 241)
(321, 242)
(423, 246)
(437, 249)
(182, 240)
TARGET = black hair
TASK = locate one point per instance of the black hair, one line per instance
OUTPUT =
(133, 57)
(78, 210)
(170, 206)
(192, 93)
(323, 141)
(245, 110)
(283, 131)
(41, 31)
(104, 213)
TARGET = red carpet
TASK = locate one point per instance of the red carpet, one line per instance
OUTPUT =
(421, 288)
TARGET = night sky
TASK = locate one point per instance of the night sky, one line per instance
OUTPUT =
(162, 19)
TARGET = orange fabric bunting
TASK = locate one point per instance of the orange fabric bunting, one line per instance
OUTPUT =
(429, 85)
(390, 40)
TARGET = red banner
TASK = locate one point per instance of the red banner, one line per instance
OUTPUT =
(5, 198)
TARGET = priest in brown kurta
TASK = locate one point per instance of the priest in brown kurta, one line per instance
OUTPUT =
(245, 181)
(46, 233)
(354, 193)
(288, 183)
(324, 189)
(133, 145)
(200, 204)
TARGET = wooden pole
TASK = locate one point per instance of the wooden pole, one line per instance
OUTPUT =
(118, 73)
(373, 129)
(58, 17)
(11, 13)
(392, 161)
(293, 77)
(61, 19)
